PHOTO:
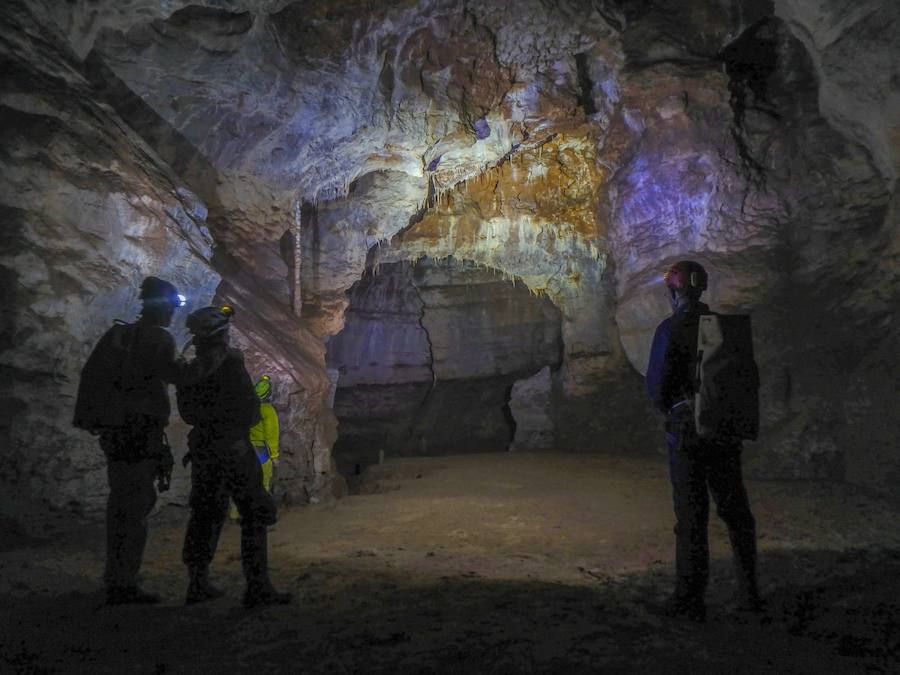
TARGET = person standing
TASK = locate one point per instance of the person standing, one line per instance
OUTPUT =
(698, 466)
(123, 399)
(264, 438)
(221, 409)
(264, 434)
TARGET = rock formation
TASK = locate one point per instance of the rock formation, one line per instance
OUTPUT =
(290, 157)
(427, 357)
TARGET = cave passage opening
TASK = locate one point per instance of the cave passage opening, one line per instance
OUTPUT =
(428, 357)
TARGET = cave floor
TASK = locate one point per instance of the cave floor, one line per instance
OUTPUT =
(504, 563)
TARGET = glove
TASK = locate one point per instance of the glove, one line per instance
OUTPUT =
(164, 470)
(165, 463)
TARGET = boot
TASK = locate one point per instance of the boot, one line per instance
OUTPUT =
(200, 589)
(264, 594)
(130, 595)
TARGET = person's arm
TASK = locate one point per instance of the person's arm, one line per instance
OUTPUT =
(175, 369)
(656, 367)
(271, 431)
(675, 379)
(241, 385)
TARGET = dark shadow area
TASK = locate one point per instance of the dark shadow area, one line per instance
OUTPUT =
(750, 61)
(828, 612)
(418, 420)
(585, 95)
(617, 420)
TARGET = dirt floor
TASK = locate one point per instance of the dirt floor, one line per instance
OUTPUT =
(499, 563)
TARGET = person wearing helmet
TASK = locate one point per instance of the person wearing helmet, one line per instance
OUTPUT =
(698, 467)
(264, 437)
(221, 410)
(123, 399)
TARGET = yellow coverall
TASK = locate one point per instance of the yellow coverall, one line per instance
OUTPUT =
(264, 432)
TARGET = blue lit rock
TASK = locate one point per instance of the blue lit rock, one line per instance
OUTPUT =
(90, 210)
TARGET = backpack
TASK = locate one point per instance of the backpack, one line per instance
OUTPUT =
(726, 386)
(225, 399)
(101, 401)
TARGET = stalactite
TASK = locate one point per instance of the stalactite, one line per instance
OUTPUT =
(296, 291)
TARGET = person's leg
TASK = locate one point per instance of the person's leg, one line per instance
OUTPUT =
(267, 472)
(132, 496)
(209, 505)
(691, 501)
(257, 513)
(726, 484)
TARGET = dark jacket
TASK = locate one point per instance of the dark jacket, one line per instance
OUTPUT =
(127, 373)
(670, 372)
(224, 405)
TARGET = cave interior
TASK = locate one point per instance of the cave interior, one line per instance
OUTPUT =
(443, 225)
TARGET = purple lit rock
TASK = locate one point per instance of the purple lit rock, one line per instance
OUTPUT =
(482, 129)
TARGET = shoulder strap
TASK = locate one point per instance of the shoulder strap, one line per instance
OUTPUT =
(133, 332)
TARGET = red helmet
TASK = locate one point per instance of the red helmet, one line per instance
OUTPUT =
(686, 274)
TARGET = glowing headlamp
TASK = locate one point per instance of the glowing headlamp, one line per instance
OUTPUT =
(180, 300)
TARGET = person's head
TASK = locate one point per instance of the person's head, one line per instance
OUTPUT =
(264, 389)
(160, 300)
(686, 281)
(209, 325)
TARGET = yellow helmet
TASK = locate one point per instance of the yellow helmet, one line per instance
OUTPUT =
(209, 321)
(264, 388)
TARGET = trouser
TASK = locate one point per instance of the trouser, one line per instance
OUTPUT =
(132, 496)
(132, 463)
(268, 472)
(699, 468)
(221, 470)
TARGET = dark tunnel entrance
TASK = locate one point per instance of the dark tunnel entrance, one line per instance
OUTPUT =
(428, 356)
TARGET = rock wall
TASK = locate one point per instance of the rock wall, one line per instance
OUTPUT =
(739, 170)
(91, 208)
(853, 49)
(530, 405)
(88, 210)
(427, 357)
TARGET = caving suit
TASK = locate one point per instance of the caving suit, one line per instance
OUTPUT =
(135, 448)
(264, 439)
(222, 408)
(698, 467)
